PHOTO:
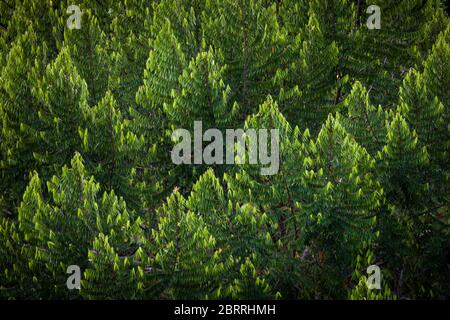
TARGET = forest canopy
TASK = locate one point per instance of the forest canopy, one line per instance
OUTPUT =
(92, 92)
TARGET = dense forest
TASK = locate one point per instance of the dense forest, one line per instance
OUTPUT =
(91, 93)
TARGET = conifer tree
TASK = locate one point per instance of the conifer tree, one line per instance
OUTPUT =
(294, 16)
(249, 36)
(239, 227)
(185, 19)
(422, 224)
(164, 65)
(88, 51)
(341, 202)
(62, 95)
(59, 227)
(361, 291)
(129, 43)
(277, 196)
(365, 122)
(421, 106)
(116, 271)
(103, 10)
(203, 95)
(403, 159)
(111, 149)
(43, 17)
(308, 83)
(7, 9)
(422, 110)
(185, 256)
(381, 57)
(238, 240)
(160, 79)
(435, 67)
(328, 196)
(437, 82)
(250, 285)
(18, 111)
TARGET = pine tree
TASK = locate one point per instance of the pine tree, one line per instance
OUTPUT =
(378, 58)
(424, 228)
(43, 17)
(343, 197)
(164, 65)
(250, 285)
(62, 96)
(437, 82)
(129, 43)
(403, 160)
(203, 95)
(7, 10)
(249, 36)
(308, 83)
(381, 57)
(239, 227)
(160, 79)
(422, 111)
(277, 196)
(112, 150)
(434, 74)
(361, 291)
(238, 240)
(365, 122)
(88, 51)
(421, 106)
(185, 17)
(18, 111)
(115, 271)
(59, 227)
(293, 15)
(185, 257)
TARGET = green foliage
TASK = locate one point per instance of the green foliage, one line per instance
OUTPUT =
(308, 83)
(112, 157)
(42, 17)
(18, 109)
(160, 80)
(203, 247)
(422, 111)
(185, 252)
(58, 226)
(89, 55)
(365, 122)
(250, 38)
(361, 290)
(185, 18)
(403, 159)
(203, 95)
(434, 69)
(129, 46)
(343, 196)
(62, 96)
(363, 135)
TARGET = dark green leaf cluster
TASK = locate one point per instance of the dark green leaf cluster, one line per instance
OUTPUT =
(86, 123)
